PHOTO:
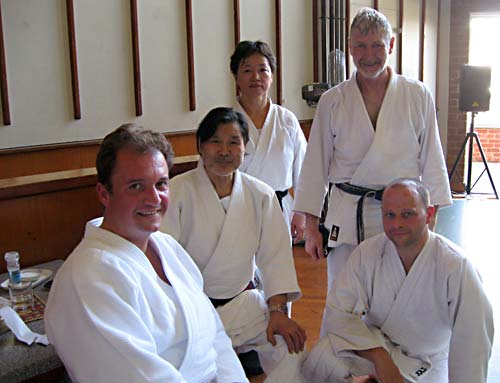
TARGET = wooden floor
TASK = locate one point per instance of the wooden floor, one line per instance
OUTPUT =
(309, 309)
(471, 223)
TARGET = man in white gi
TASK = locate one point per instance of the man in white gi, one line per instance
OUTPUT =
(128, 305)
(407, 307)
(368, 130)
(230, 223)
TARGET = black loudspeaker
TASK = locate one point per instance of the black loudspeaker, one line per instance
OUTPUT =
(475, 88)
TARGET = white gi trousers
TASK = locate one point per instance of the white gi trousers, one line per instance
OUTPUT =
(337, 258)
(245, 319)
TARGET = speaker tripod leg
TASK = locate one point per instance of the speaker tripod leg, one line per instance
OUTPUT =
(459, 157)
(468, 187)
(485, 162)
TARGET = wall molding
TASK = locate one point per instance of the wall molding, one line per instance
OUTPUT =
(75, 86)
(30, 160)
(136, 57)
(4, 89)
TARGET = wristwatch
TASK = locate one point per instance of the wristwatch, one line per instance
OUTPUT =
(283, 308)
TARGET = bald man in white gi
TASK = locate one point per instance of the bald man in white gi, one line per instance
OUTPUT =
(368, 130)
(407, 307)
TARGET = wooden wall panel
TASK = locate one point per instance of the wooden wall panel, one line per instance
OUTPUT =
(44, 216)
(44, 160)
(78, 155)
(47, 226)
(306, 127)
(54, 158)
(184, 144)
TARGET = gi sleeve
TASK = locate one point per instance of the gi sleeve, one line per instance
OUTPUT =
(313, 181)
(112, 337)
(299, 151)
(472, 327)
(274, 257)
(431, 159)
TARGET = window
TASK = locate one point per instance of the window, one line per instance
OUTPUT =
(483, 51)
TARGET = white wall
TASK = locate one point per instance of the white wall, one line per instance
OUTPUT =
(443, 71)
(411, 38)
(390, 8)
(431, 44)
(38, 67)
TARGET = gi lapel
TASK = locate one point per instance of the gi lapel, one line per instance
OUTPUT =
(395, 148)
(212, 218)
(259, 144)
(230, 267)
(193, 304)
(394, 326)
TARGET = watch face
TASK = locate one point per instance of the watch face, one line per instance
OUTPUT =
(281, 308)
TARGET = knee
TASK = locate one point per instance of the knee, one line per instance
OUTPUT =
(322, 366)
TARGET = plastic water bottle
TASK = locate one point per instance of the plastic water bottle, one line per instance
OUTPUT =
(12, 259)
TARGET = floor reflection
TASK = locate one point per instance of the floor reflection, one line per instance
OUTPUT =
(473, 224)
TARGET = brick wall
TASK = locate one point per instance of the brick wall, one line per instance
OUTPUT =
(459, 55)
(490, 141)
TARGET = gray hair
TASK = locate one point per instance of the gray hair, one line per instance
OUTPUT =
(412, 184)
(368, 19)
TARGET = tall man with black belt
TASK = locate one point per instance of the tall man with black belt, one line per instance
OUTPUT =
(368, 130)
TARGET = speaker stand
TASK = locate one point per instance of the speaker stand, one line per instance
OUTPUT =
(469, 138)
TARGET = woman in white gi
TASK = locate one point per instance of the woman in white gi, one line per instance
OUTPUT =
(127, 305)
(276, 144)
(230, 223)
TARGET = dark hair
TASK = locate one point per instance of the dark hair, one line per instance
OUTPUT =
(214, 118)
(131, 136)
(247, 48)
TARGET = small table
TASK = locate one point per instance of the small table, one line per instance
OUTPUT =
(22, 363)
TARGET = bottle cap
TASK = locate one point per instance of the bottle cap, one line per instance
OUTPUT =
(11, 256)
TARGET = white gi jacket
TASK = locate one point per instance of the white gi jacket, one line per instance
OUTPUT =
(437, 312)
(344, 147)
(274, 154)
(112, 319)
(226, 246)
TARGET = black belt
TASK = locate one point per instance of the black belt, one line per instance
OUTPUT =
(221, 302)
(281, 194)
(363, 193)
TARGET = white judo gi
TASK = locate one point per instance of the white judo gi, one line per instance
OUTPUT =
(112, 319)
(344, 147)
(274, 154)
(227, 246)
(436, 322)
